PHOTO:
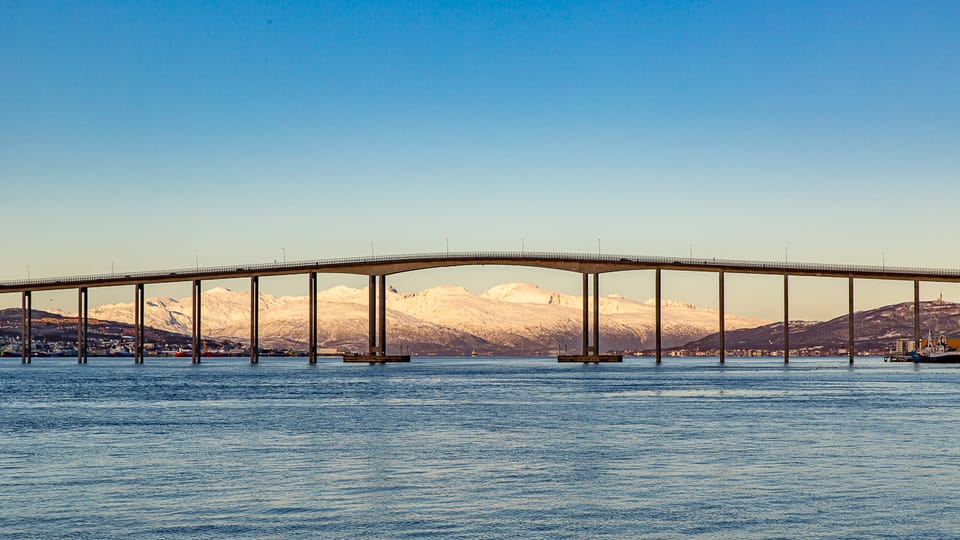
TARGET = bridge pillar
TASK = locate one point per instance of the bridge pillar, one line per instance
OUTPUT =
(26, 329)
(197, 341)
(587, 348)
(723, 349)
(591, 354)
(377, 330)
(372, 316)
(596, 313)
(850, 322)
(312, 338)
(586, 316)
(382, 309)
(916, 315)
(254, 319)
(82, 326)
(138, 315)
(786, 319)
(658, 324)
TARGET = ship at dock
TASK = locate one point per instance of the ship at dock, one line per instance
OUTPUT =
(941, 351)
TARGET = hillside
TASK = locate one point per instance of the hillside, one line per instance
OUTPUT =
(874, 330)
(56, 334)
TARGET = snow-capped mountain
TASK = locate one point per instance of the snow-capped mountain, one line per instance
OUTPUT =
(513, 318)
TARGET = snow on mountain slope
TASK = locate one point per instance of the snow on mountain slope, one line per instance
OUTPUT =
(613, 305)
(513, 317)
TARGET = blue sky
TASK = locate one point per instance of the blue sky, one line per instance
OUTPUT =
(154, 134)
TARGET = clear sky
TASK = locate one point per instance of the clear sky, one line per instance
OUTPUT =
(145, 135)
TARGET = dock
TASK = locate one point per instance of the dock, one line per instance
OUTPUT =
(590, 358)
(376, 358)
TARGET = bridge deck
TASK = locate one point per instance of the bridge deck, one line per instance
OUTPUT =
(571, 262)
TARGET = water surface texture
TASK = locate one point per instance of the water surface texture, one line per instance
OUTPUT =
(478, 448)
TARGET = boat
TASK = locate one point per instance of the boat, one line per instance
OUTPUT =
(939, 352)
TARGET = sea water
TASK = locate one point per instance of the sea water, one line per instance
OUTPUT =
(479, 448)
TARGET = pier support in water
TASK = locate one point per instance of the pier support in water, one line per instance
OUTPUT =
(197, 342)
(26, 328)
(596, 313)
(255, 320)
(786, 319)
(723, 348)
(382, 316)
(372, 316)
(377, 328)
(585, 349)
(850, 351)
(82, 325)
(138, 313)
(916, 315)
(312, 316)
(590, 354)
(658, 311)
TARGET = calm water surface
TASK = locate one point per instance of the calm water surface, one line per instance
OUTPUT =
(479, 448)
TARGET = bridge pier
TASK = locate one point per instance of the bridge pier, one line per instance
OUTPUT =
(916, 315)
(82, 325)
(850, 351)
(382, 316)
(590, 354)
(138, 313)
(312, 338)
(197, 342)
(377, 328)
(372, 315)
(658, 311)
(255, 320)
(26, 328)
(723, 348)
(786, 319)
(586, 316)
(596, 314)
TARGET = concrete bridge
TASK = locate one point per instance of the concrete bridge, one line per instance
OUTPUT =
(377, 268)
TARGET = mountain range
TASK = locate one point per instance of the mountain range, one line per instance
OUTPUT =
(513, 318)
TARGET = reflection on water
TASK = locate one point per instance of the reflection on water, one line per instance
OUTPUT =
(479, 448)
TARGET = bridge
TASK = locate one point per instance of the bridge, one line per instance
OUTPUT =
(377, 268)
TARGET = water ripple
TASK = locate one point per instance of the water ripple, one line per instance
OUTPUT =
(507, 448)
